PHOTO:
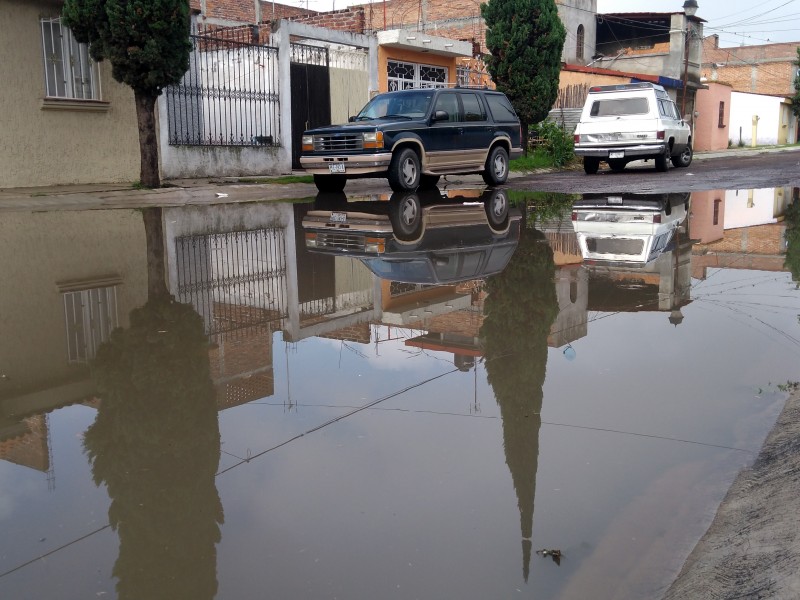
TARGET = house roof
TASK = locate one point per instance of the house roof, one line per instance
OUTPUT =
(649, 15)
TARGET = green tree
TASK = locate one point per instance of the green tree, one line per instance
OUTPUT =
(525, 39)
(796, 98)
(792, 216)
(148, 45)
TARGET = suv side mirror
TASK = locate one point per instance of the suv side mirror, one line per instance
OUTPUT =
(440, 115)
(351, 118)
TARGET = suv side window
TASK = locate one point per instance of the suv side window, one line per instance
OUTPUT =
(449, 102)
(501, 109)
(473, 109)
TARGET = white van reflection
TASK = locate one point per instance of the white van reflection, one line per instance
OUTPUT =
(627, 229)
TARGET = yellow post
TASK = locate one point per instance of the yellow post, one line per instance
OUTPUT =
(755, 131)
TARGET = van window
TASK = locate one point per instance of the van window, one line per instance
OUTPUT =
(619, 106)
(501, 108)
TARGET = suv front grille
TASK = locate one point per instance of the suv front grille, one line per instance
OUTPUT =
(340, 241)
(337, 143)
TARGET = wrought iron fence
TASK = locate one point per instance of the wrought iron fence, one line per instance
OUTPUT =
(229, 95)
(235, 280)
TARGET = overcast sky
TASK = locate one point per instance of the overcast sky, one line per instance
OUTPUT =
(736, 21)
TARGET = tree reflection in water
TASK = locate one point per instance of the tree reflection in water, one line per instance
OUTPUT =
(155, 444)
(520, 308)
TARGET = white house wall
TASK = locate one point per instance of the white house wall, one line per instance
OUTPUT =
(743, 107)
(747, 208)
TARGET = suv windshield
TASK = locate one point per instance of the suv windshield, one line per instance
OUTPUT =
(619, 107)
(412, 105)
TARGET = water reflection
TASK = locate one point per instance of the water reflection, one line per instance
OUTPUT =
(519, 310)
(246, 282)
(155, 445)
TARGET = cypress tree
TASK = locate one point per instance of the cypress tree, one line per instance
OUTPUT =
(525, 39)
(148, 45)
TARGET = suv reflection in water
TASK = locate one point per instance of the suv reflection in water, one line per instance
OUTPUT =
(423, 237)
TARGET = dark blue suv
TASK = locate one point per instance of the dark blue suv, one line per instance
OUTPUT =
(412, 137)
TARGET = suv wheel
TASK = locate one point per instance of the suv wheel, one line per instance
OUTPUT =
(405, 214)
(684, 159)
(496, 170)
(590, 165)
(404, 172)
(330, 183)
(497, 210)
(662, 161)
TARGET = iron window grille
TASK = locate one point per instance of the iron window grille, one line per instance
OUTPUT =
(69, 71)
(404, 76)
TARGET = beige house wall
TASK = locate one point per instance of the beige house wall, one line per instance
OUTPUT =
(41, 251)
(63, 143)
(349, 93)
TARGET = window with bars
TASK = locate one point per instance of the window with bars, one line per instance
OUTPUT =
(404, 76)
(721, 122)
(91, 316)
(579, 43)
(69, 72)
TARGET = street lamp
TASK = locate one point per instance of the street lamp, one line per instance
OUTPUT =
(690, 8)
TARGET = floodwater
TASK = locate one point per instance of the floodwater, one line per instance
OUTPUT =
(329, 412)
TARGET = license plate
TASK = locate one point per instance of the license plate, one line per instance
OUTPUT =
(336, 168)
(619, 154)
(338, 217)
(615, 199)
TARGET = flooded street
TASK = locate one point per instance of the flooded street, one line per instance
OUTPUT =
(463, 394)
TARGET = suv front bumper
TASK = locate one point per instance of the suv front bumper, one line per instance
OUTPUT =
(638, 151)
(354, 164)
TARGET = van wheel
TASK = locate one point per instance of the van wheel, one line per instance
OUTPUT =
(495, 171)
(404, 171)
(684, 159)
(330, 184)
(617, 165)
(662, 162)
(590, 165)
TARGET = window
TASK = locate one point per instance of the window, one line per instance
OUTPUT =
(500, 108)
(448, 102)
(69, 72)
(403, 76)
(473, 109)
(579, 43)
(620, 106)
(721, 122)
(91, 316)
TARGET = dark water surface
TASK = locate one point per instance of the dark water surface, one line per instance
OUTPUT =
(295, 426)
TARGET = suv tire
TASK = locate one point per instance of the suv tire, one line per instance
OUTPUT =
(684, 159)
(617, 165)
(590, 165)
(662, 161)
(404, 171)
(497, 207)
(330, 184)
(405, 214)
(496, 170)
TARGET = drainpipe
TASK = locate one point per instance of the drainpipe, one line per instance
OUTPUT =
(755, 131)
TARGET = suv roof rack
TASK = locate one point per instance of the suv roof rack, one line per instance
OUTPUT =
(620, 87)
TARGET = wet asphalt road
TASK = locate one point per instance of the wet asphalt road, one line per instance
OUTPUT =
(730, 172)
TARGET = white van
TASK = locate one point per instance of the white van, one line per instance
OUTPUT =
(632, 121)
(627, 229)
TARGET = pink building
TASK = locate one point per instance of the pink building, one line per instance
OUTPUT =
(712, 115)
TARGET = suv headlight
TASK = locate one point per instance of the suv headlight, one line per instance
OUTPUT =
(372, 139)
(308, 143)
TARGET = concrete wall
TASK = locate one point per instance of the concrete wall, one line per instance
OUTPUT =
(708, 135)
(64, 141)
(574, 13)
(38, 251)
(767, 108)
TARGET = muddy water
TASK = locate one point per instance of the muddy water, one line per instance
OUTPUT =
(327, 411)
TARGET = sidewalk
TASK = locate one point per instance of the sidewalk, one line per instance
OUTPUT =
(229, 190)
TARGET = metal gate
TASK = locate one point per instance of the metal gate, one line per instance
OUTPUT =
(311, 93)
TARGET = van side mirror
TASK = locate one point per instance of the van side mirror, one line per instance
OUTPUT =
(440, 115)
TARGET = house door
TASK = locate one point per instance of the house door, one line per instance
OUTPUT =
(311, 93)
